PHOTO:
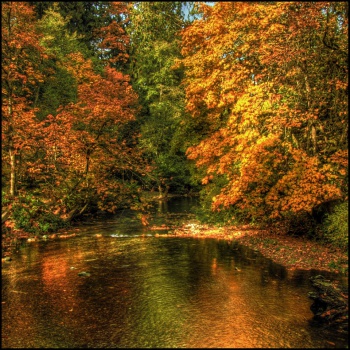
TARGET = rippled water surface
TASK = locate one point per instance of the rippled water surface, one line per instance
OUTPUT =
(138, 290)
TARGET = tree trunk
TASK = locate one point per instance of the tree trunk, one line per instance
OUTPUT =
(163, 193)
(87, 165)
(5, 215)
(160, 190)
(12, 151)
(74, 212)
(12, 173)
(314, 138)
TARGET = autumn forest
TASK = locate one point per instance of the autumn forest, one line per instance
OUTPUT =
(242, 103)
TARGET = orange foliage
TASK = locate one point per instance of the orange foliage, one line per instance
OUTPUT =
(274, 103)
(21, 57)
(83, 141)
(113, 36)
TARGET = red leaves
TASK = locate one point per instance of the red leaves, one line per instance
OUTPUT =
(83, 140)
(21, 57)
(113, 36)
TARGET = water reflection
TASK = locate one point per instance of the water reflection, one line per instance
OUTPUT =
(153, 292)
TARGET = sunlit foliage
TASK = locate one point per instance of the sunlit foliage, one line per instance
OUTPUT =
(99, 98)
(270, 80)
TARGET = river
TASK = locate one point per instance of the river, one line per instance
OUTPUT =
(129, 289)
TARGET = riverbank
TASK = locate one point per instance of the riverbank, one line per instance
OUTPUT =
(291, 252)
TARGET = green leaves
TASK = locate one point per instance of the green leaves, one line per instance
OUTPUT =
(155, 48)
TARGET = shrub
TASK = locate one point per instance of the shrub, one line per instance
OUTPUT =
(49, 222)
(24, 212)
(336, 226)
(32, 215)
(4, 198)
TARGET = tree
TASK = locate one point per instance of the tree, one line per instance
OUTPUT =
(81, 17)
(85, 151)
(271, 90)
(99, 27)
(59, 87)
(155, 46)
(112, 39)
(21, 57)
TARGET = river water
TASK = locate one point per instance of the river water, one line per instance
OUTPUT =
(129, 288)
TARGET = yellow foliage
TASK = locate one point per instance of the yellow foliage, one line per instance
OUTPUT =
(257, 73)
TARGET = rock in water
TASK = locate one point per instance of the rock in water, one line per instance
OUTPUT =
(84, 274)
(330, 305)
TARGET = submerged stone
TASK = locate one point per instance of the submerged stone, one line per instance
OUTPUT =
(84, 274)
